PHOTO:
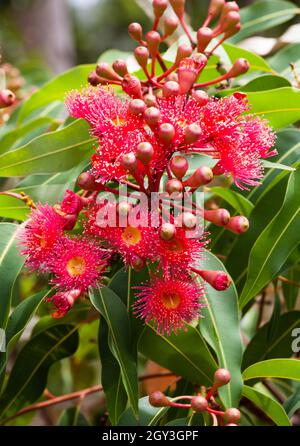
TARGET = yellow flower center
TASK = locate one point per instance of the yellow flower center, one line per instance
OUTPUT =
(175, 245)
(118, 122)
(131, 236)
(76, 266)
(171, 300)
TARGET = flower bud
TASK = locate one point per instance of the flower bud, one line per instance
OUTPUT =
(188, 71)
(72, 203)
(103, 69)
(145, 152)
(153, 40)
(141, 54)
(192, 133)
(178, 7)
(120, 67)
(239, 67)
(170, 88)
(183, 51)
(135, 31)
(201, 97)
(199, 403)
(137, 263)
(159, 7)
(158, 399)
(215, 8)
(132, 86)
(232, 415)
(221, 377)
(167, 231)
(203, 175)
(7, 98)
(137, 106)
(232, 31)
(166, 132)
(86, 181)
(174, 186)
(150, 100)
(219, 217)
(170, 25)
(228, 7)
(230, 20)
(172, 77)
(179, 166)
(238, 224)
(94, 79)
(152, 116)
(70, 221)
(204, 37)
(130, 162)
(124, 208)
(188, 220)
(219, 280)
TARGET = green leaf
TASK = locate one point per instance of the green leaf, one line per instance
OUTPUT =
(274, 368)
(260, 83)
(291, 290)
(263, 15)
(111, 377)
(111, 55)
(265, 209)
(276, 242)
(282, 59)
(28, 131)
(268, 405)
(276, 343)
(56, 89)
(220, 327)
(72, 417)
(271, 106)
(292, 404)
(256, 62)
(28, 377)
(10, 265)
(185, 353)
(240, 203)
(148, 415)
(53, 152)
(269, 165)
(114, 312)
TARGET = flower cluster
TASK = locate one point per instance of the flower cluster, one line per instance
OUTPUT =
(148, 138)
(202, 403)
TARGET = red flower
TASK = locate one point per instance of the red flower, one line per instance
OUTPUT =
(41, 232)
(169, 303)
(238, 140)
(118, 131)
(63, 302)
(77, 264)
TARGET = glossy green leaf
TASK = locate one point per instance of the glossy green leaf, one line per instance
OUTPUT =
(28, 377)
(292, 404)
(111, 377)
(268, 405)
(274, 368)
(282, 59)
(114, 312)
(290, 289)
(220, 327)
(53, 152)
(185, 353)
(270, 165)
(276, 242)
(272, 342)
(240, 203)
(269, 105)
(257, 63)
(263, 15)
(56, 89)
(10, 265)
(260, 83)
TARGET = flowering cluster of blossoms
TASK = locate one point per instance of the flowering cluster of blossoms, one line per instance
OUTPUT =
(146, 138)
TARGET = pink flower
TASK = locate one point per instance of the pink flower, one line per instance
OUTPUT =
(72, 203)
(77, 263)
(238, 140)
(117, 130)
(169, 303)
(40, 234)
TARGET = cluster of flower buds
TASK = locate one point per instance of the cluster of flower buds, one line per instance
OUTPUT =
(202, 403)
(149, 139)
